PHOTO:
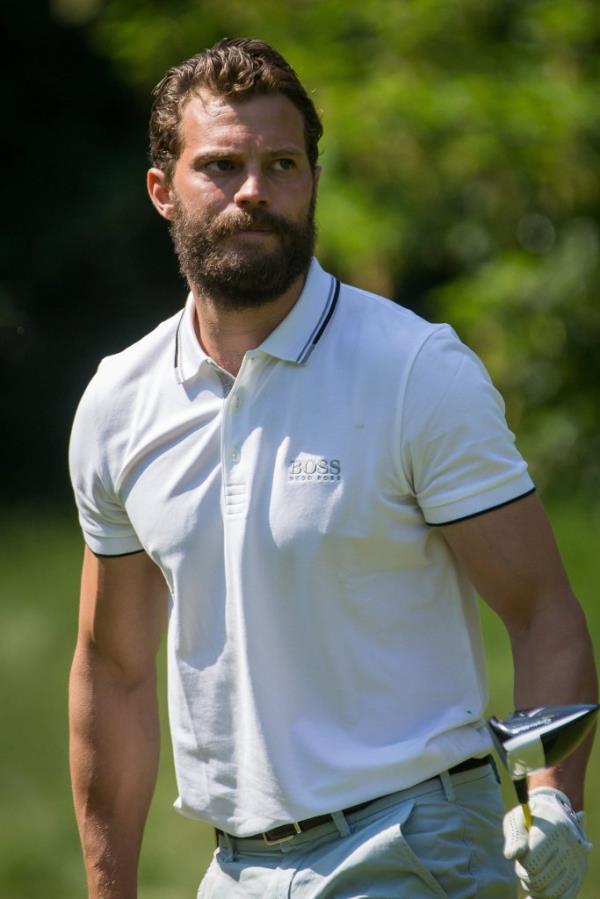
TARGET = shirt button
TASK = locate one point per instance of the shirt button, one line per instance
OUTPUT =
(235, 456)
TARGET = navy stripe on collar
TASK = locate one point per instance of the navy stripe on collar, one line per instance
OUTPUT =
(308, 347)
(317, 333)
(177, 341)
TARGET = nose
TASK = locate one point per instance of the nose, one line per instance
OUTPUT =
(253, 189)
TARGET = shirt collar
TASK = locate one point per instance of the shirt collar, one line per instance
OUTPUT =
(295, 337)
(189, 355)
(293, 340)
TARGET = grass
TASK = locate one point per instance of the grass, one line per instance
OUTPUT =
(39, 848)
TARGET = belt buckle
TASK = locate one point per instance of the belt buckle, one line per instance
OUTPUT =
(279, 840)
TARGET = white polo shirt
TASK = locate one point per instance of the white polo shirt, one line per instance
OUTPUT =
(324, 647)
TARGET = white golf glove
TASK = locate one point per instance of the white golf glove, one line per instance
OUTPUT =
(551, 858)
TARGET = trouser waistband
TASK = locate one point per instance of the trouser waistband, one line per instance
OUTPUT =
(285, 832)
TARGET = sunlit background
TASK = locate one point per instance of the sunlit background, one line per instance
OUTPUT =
(460, 177)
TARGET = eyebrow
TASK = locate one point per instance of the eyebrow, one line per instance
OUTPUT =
(222, 152)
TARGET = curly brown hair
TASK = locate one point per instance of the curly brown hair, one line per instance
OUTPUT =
(233, 67)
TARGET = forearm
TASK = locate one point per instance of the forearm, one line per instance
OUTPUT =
(554, 665)
(114, 748)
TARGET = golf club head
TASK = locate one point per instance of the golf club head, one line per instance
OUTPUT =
(532, 739)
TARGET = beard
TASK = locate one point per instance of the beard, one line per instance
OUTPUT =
(245, 275)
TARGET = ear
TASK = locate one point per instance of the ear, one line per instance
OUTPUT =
(317, 176)
(160, 192)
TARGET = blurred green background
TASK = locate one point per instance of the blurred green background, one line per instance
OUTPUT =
(39, 849)
(461, 177)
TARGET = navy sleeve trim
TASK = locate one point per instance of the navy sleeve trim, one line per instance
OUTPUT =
(441, 524)
(134, 552)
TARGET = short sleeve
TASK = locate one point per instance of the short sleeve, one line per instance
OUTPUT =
(459, 453)
(102, 516)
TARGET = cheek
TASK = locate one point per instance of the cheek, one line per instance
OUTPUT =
(295, 201)
(198, 194)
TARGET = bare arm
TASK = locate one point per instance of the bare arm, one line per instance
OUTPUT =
(114, 732)
(511, 558)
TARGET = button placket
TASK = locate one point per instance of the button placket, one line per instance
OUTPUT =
(233, 426)
(233, 437)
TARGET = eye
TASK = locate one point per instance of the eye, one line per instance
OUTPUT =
(219, 165)
(284, 165)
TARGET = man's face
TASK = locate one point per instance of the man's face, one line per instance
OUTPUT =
(243, 197)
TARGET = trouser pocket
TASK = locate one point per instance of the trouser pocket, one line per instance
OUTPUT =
(418, 851)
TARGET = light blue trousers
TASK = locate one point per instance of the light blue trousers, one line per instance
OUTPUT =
(442, 838)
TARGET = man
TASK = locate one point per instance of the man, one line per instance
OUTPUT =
(307, 480)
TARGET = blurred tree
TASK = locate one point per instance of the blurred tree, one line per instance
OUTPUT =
(460, 172)
(83, 268)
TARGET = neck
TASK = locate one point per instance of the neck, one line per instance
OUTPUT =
(226, 335)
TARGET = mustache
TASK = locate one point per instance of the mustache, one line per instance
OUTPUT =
(246, 220)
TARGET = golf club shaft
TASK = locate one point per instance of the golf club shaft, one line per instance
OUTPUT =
(523, 796)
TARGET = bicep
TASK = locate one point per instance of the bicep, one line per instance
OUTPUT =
(511, 557)
(123, 611)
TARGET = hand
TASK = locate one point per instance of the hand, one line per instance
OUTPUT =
(551, 858)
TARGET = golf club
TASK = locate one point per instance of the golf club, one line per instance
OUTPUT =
(532, 739)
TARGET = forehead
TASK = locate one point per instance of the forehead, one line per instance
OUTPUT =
(263, 121)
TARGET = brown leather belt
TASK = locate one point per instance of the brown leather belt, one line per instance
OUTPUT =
(287, 831)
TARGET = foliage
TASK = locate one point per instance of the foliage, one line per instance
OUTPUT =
(461, 161)
(461, 177)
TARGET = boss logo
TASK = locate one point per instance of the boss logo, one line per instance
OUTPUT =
(314, 468)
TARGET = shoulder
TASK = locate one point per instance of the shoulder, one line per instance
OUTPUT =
(122, 374)
(141, 359)
(123, 378)
(374, 310)
(389, 333)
